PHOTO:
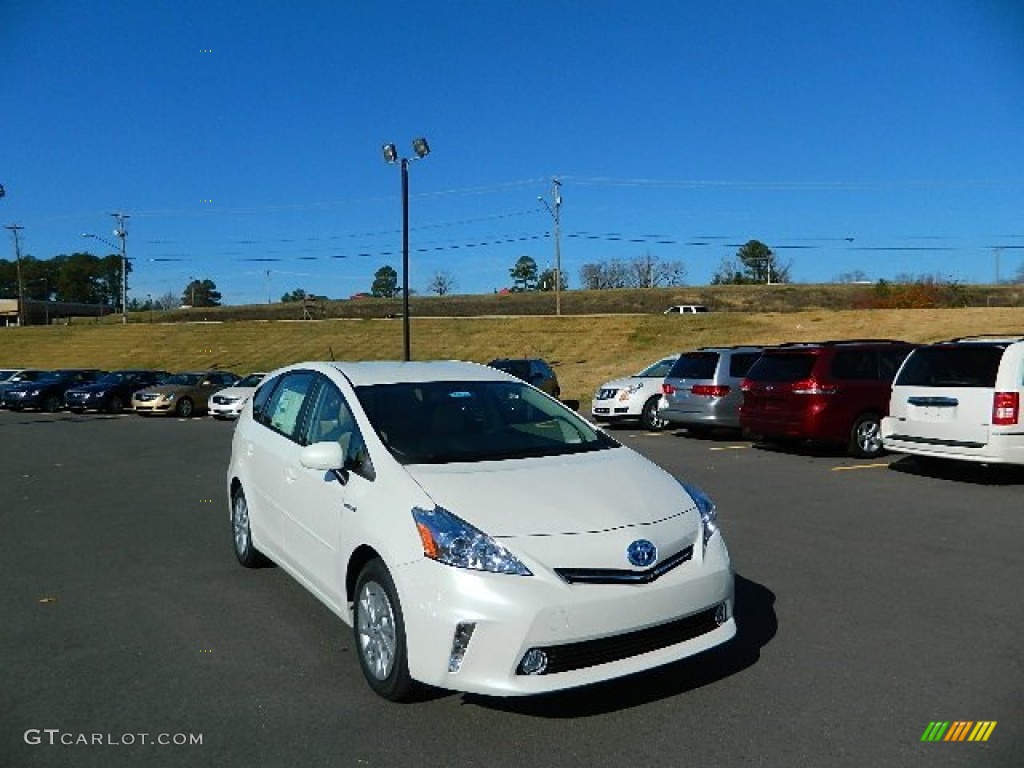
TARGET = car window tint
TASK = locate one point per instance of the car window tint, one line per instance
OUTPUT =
(658, 370)
(331, 420)
(695, 365)
(890, 360)
(469, 421)
(283, 410)
(953, 366)
(852, 364)
(740, 363)
(261, 395)
(781, 367)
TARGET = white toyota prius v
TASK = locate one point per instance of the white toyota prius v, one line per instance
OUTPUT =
(475, 533)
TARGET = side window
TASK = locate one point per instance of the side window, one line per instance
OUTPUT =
(331, 420)
(260, 397)
(855, 364)
(283, 410)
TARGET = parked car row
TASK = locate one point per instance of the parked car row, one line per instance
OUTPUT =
(222, 394)
(958, 399)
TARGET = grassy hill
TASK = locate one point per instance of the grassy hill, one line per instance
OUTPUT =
(585, 349)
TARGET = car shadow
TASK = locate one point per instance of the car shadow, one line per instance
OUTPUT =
(802, 448)
(756, 626)
(709, 435)
(960, 471)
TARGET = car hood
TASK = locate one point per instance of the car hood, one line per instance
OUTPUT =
(629, 381)
(173, 389)
(583, 493)
(236, 391)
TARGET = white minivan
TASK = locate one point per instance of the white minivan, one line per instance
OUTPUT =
(960, 399)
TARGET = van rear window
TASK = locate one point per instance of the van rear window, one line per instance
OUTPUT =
(695, 365)
(952, 366)
(783, 368)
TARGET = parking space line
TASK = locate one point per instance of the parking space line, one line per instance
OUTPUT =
(730, 447)
(860, 466)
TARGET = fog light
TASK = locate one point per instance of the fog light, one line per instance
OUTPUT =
(534, 662)
(460, 642)
(721, 614)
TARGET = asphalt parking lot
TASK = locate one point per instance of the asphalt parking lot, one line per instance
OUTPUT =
(873, 597)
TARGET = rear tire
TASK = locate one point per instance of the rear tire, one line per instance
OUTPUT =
(866, 437)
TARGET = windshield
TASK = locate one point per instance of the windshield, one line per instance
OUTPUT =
(657, 371)
(5, 375)
(116, 377)
(184, 379)
(448, 421)
(252, 380)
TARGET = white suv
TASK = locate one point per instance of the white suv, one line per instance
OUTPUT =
(960, 399)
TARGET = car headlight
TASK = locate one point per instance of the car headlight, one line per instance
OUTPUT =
(33, 393)
(452, 541)
(169, 396)
(101, 393)
(707, 509)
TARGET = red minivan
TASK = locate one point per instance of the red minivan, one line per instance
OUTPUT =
(829, 391)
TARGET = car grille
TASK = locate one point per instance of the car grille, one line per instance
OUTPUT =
(618, 576)
(146, 397)
(219, 400)
(590, 653)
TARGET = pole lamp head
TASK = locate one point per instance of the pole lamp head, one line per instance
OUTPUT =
(420, 147)
(390, 153)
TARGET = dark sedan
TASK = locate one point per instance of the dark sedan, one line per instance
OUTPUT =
(47, 392)
(112, 392)
(13, 378)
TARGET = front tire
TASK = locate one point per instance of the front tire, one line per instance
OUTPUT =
(184, 408)
(51, 404)
(379, 632)
(866, 437)
(649, 418)
(241, 532)
(115, 404)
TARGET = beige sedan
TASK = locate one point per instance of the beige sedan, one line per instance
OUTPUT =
(183, 394)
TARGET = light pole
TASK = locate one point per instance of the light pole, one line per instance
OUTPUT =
(121, 233)
(421, 150)
(15, 229)
(555, 211)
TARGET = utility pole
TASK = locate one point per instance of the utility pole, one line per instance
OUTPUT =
(998, 250)
(15, 229)
(122, 233)
(555, 209)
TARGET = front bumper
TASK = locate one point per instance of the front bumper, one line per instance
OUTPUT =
(658, 623)
(153, 406)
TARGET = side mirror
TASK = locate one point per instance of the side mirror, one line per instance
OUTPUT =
(327, 457)
(324, 456)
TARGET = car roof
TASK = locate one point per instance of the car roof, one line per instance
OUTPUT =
(798, 346)
(365, 373)
(733, 348)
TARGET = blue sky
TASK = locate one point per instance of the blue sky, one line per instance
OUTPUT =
(243, 138)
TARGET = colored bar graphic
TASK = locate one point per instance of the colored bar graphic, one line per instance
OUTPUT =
(959, 730)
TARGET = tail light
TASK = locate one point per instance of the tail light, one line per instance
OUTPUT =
(667, 389)
(710, 390)
(1005, 408)
(811, 387)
